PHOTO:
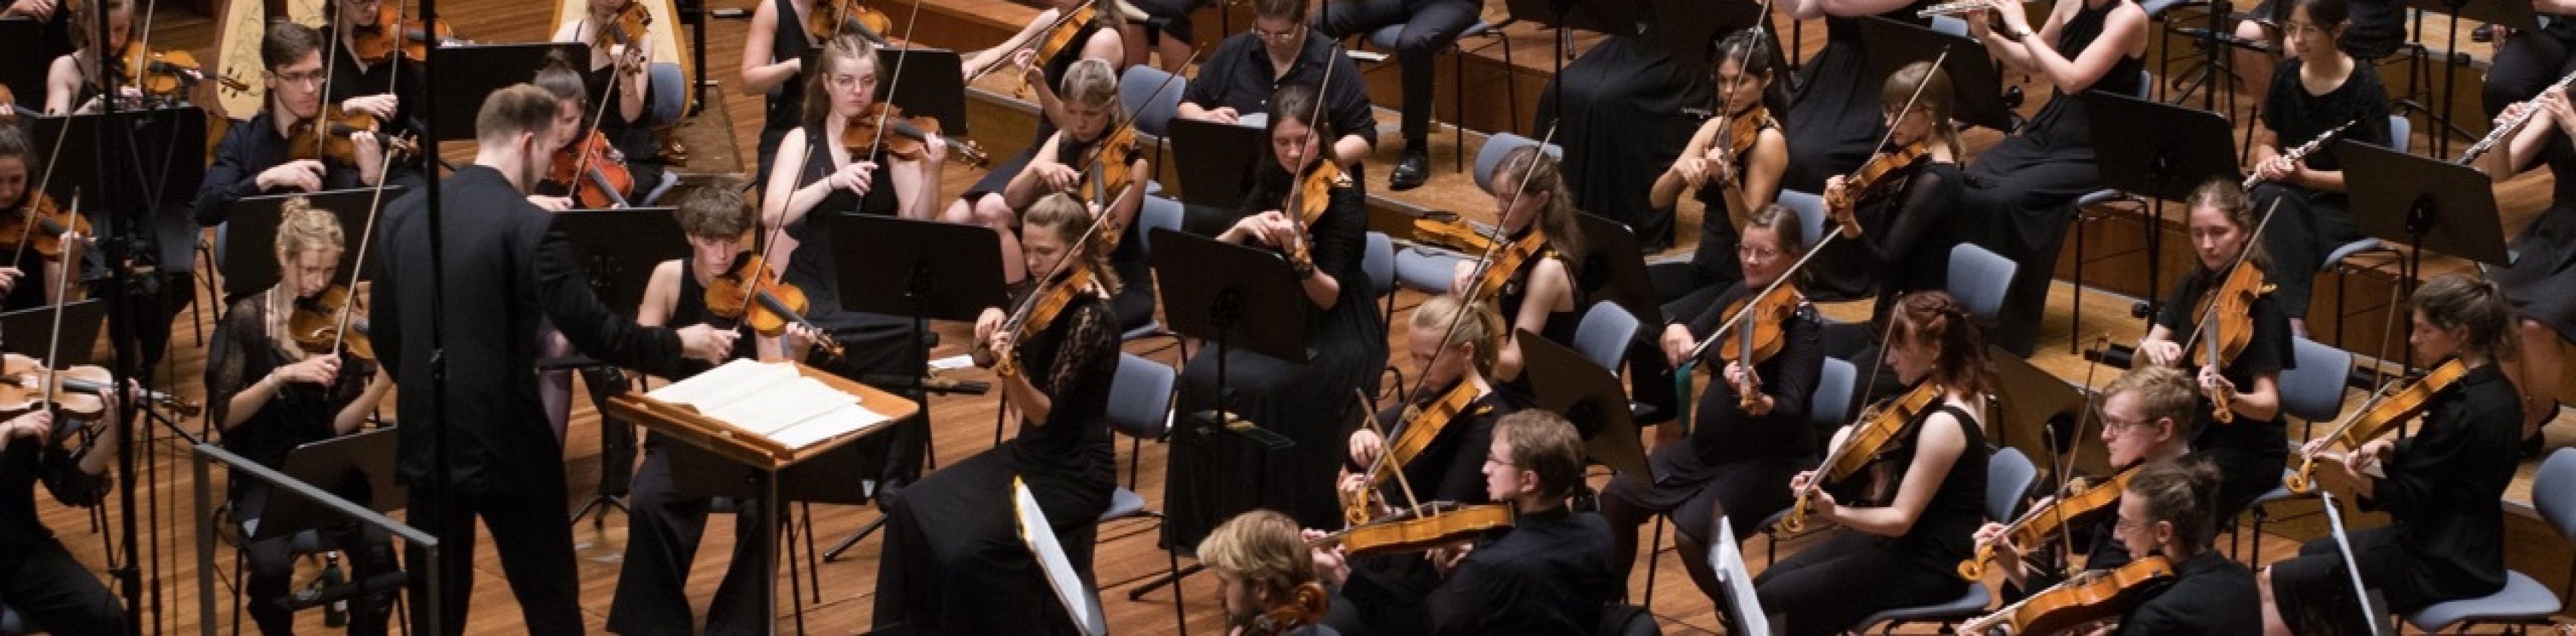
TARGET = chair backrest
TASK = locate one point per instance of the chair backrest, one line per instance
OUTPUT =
(2008, 476)
(1978, 278)
(1490, 158)
(1810, 209)
(667, 96)
(2401, 133)
(1603, 335)
(12, 623)
(2553, 491)
(1379, 263)
(1139, 397)
(1831, 403)
(1155, 212)
(2146, 85)
(2314, 390)
(1153, 111)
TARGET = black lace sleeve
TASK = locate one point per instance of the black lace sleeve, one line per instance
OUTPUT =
(1932, 191)
(1077, 380)
(228, 359)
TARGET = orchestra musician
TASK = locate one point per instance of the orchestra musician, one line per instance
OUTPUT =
(1894, 240)
(1260, 561)
(2314, 218)
(2148, 418)
(1926, 487)
(43, 582)
(72, 84)
(2248, 450)
(2018, 192)
(2439, 487)
(503, 462)
(987, 202)
(1386, 593)
(23, 284)
(1550, 572)
(2378, 29)
(1063, 164)
(559, 78)
(1166, 30)
(1735, 457)
(2537, 281)
(1728, 181)
(664, 525)
(1430, 26)
(2167, 510)
(1836, 116)
(953, 559)
(624, 122)
(1242, 76)
(1540, 296)
(773, 67)
(271, 393)
(391, 88)
(1310, 403)
(252, 159)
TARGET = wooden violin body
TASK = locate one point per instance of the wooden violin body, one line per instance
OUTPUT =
(1307, 204)
(328, 137)
(592, 172)
(754, 296)
(1106, 178)
(2031, 533)
(1441, 524)
(380, 41)
(1303, 607)
(74, 391)
(902, 137)
(40, 226)
(1758, 333)
(316, 326)
(1034, 313)
(832, 18)
(1872, 174)
(2377, 418)
(2227, 327)
(1422, 425)
(160, 74)
(1446, 229)
(2109, 594)
(1872, 436)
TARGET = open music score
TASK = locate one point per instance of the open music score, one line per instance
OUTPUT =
(766, 414)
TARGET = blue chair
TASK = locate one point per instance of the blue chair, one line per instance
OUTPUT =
(1427, 270)
(1810, 209)
(1831, 407)
(1947, 25)
(2313, 393)
(1154, 212)
(1603, 334)
(2523, 601)
(1377, 261)
(11, 623)
(1153, 111)
(1978, 278)
(1384, 39)
(1490, 158)
(2008, 476)
(1140, 407)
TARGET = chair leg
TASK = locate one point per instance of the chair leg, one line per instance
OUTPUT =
(1654, 561)
(1511, 84)
(1180, 613)
(1458, 106)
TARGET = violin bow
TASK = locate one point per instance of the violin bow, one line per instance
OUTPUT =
(2075, 445)
(1476, 277)
(902, 55)
(599, 113)
(2209, 305)
(54, 342)
(375, 200)
(1818, 482)
(1385, 454)
(1101, 191)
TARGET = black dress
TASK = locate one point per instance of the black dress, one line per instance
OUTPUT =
(785, 103)
(1904, 244)
(1000, 175)
(1389, 593)
(1686, 288)
(2541, 282)
(2446, 540)
(633, 139)
(1830, 587)
(954, 562)
(2249, 453)
(54, 591)
(35, 273)
(1559, 326)
(1734, 463)
(1134, 303)
(1621, 122)
(2310, 223)
(1215, 474)
(1836, 119)
(2016, 202)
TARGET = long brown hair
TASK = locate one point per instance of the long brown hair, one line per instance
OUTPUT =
(1938, 97)
(2474, 306)
(2183, 492)
(1937, 319)
(1071, 218)
(1540, 175)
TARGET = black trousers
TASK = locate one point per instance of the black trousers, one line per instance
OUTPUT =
(1831, 587)
(2527, 63)
(1429, 26)
(2308, 226)
(533, 531)
(272, 572)
(59, 595)
(664, 527)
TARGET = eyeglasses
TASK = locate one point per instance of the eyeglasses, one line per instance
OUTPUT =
(2117, 425)
(1277, 36)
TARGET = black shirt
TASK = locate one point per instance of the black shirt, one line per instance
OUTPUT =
(1549, 574)
(2442, 487)
(21, 466)
(2296, 116)
(1451, 467)
(1904, 243)
(248, 149)
(1789, 377)
(2209, 596)
(1239, 75)
(2268, 350)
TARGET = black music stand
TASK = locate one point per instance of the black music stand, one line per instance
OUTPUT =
(250, 234)
(1614, 268)
(465, 74)
(357, 467)
(2172, 150)
(618, 250)
(162, 167)
(2035, 400)
(1589, 396)
(2503, 13)
(2429, 204)
(925, 270)
(24, 75)
(30, 332)
(1893, 44)
(1215, 161)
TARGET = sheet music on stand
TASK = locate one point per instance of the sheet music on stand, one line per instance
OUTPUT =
(2343, 548)
(1743, 609)
(1077, 597)
(772, 400)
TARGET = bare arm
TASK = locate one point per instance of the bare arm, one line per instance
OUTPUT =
(1031, 184)
(1942, 444)
(784, 202)
(1551, 290)
(355, 414)
(759, 75)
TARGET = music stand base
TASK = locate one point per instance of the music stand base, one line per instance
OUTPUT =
(834, 555)
(600, 504)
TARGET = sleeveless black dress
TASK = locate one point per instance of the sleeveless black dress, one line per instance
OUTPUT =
(1831, 587)
(1835, 115)
(1000, 176)
(786, 102)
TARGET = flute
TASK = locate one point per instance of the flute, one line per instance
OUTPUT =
(2510, 125)
(1954, 8)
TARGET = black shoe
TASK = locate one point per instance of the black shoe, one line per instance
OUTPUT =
(1410, 171)
(2484, 33)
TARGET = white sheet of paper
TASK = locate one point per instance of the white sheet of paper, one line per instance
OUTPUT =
(1078, 598)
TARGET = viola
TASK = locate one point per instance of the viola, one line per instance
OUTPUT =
(2377, 417)
(40, 226)
(1435, 524)
(885, 126)
(328, 137)
(1873, 436)
(1304, 607)
(2226, 327)
(2030, 533)
(592, 172)
(73, 391)
(315, 326)
(753, 295)
(378, 41)
(835, 17)
(1422, 424)
(1873, 174)
(1759, 331)
(2102, 595)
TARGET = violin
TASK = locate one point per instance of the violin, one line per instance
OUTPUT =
(1057, 35)
(1304, 607)
(41, 225)
(1313, 196)
(1447, 229)
(753, 295)
(1422, 424)
(1035, 311)
(1873, 435)
(625, 27)
(835, 17)
(327, 137)
(74, 391)
(885, 126)
(376, 42)
(1745, 129)
(1107, 180)
(2377, 417)
(2226, 326)
(2100, 595)
(592, 172)
(159, 74)
(1873, 174)
(1759, 327)
(2030, 533)
(316, 326)
(1436, 524)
